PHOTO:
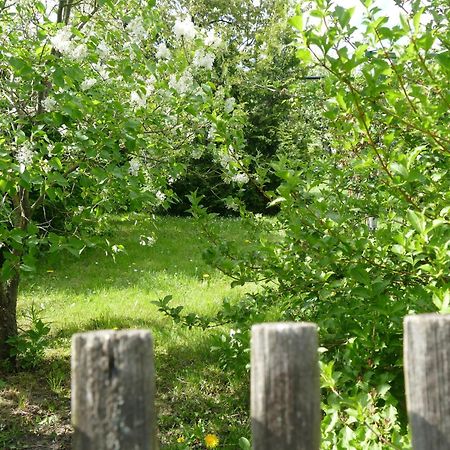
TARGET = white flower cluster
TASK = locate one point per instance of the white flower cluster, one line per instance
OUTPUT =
(137, 100)
(25, 155)
(240, 178)
(103, 50)
(203, 59)
(162, 52)
(135, 165)
(160, 196)
(212, 39)
(49, 104)
(101, 70)
(184, 29)
(63, 130)
(88, 83)
(79, 52)
(150, 86)
(62, 41)
(136, 29)
(183, 84)
(225, 160)
(229, 104)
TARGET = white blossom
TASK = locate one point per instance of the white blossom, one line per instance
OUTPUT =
(232, 205)
(137, 100)
(79, 52)
(182, 84)
(63, 130)
(203, 59)
(225, 160)
(162, 52)
(229, 104)
(45, 166)
(25, 155)
(101, 70)
(103, 49)
(212, 39)
(88, 83)
(160, 196)
(150, 86)
(135, 165)
(49, 103)
(61, 41)
(240, 178)
(184, 29)
(136, 28)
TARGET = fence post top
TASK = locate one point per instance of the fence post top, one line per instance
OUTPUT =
(284, 326)
(426, 318)
(109, 334)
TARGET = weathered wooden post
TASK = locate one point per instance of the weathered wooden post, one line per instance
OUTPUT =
(113, 391)
(427, 379)
(285, 389)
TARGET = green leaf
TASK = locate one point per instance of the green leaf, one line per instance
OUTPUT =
(360, 275)
(399, 169)
(444, 60)
(417, 221)
(303, 54)
(344, 15)
(296, 22)
(244, 443)
(416, 19)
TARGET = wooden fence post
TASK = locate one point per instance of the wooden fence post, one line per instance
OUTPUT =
(285, 387)
(427, 379)
(113, 391)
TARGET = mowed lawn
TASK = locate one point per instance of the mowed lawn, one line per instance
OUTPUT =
(195, 396)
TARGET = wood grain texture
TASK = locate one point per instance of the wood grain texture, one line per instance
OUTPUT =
(427, 379)
(285, 389)
(113, 391)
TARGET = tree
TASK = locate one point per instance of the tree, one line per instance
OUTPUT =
(99, 111)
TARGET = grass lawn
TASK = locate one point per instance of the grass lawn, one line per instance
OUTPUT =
(194, 395)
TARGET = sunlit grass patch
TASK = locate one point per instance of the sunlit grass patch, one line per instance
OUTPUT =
(195, 397)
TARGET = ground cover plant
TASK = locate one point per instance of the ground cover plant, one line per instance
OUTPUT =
(195, 396)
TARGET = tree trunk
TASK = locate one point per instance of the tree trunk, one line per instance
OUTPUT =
(8, 316)
(9, 289)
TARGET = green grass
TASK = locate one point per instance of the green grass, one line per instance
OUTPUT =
(194, 395)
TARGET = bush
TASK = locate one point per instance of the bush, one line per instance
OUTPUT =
(28, 347)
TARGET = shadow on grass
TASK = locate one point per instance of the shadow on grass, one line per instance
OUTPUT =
(35, 407)
(194, 394)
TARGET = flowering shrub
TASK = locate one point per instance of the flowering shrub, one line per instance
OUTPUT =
(99, 111)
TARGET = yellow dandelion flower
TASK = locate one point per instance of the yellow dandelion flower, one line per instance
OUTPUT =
(180, 439)
(211, 441)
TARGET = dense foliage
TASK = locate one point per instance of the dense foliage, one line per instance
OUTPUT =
(362, 235)
(337, 127)
(101, 107)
